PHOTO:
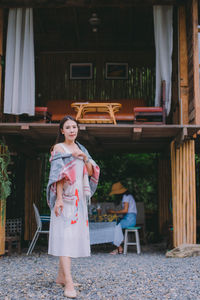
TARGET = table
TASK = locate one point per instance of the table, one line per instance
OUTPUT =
(105, 232)
(99, 107)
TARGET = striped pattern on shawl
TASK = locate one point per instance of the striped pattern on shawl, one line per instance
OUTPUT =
(63, 167)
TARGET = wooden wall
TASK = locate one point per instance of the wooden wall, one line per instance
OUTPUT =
(53, 81)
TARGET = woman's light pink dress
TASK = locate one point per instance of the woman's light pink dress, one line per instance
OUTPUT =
(69, 232)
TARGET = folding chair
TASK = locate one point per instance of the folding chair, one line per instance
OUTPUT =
(39, 230)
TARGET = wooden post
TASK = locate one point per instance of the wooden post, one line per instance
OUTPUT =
(1, 55)
(183, 66)
(183, 193)
(193, 61)
(164, 195)
(32, 195)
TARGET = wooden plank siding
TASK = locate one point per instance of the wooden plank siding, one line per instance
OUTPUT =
(53, 80)
(193, 61)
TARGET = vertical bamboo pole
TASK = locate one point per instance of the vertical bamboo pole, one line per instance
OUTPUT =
(174, 209)
(184, 195)
(178, 194)
(181, 194)
(193, 194)
(188, 192)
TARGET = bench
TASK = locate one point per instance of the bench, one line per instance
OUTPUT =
(152, 115)
(60, 108)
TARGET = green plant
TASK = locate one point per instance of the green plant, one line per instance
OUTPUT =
(5, 182)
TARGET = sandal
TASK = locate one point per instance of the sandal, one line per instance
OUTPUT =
(114, 252)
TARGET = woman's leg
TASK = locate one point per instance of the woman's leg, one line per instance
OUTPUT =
(60, 278)
(65, 271)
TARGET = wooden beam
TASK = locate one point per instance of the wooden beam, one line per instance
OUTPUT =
(181, 137)
(84, 3)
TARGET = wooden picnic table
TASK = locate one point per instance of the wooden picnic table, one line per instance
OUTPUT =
(83, 108)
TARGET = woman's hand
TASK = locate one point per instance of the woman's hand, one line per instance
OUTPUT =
(79, 154)
(58, 207)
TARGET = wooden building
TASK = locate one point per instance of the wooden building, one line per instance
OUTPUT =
(123, 33)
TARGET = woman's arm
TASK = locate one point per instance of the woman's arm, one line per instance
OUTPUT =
(78, 153)
(58, 208)
(121, 211)
(88, 165)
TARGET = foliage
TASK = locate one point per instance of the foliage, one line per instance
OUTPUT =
(138, 172)
(5, 182)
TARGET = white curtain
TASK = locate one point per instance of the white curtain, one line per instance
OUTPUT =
(163, 31)
(20, 70)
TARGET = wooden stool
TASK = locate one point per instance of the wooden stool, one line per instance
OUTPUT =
(11, 241)
(137, 239)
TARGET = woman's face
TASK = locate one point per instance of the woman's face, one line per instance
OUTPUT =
(70, 130)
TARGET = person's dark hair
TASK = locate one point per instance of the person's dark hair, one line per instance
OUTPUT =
(60, 137)
(126, 193)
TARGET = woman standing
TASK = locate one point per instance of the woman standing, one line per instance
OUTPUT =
(129, 211)
(73, 180)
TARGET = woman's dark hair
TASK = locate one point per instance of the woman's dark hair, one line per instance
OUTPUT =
(60, 137)
(126, 193)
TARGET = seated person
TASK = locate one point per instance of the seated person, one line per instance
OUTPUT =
(128, 210)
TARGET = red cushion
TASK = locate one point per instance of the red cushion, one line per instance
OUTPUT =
(39, 109)
(147, 109)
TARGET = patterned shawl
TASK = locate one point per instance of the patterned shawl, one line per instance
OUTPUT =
(63, 167)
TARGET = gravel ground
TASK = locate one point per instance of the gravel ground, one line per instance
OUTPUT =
(102, 276)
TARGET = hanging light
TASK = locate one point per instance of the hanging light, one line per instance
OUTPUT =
(94, 22)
